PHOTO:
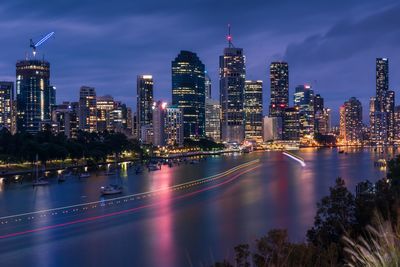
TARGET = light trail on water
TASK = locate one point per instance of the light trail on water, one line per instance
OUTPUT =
(236, 176)
(295, 157)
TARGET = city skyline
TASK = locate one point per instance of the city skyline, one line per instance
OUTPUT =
(316, 55)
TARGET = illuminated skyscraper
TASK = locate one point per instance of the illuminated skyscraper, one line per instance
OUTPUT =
(291, 124)
(188, 93)
(213, 120)
(87, 109)
(167, 124)
(382, 129)
(232, 73)
(352, 120)
(65, 115)
(279, 76)
(397, 123)
(304, 101)
(207, 86)
(144, 101)
(318, 102)
(253, 108)
(6, 106)
(35, 95)
(104, 104)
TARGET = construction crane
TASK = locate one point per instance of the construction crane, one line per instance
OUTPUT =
(41, 41)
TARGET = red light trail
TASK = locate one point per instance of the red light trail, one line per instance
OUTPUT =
(127, 210)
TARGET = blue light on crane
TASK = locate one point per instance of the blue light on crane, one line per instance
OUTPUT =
(41, 41)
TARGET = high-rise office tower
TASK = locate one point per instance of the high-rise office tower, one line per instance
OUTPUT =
(188, 93)
(159, 116)
(232, 74)
(6, 106)
(322, 121)
(104, 104)
(167, 125)
(318, 102)
(144, 101)
(253, 108)
(291, 124)
(213, 120)
(35, 95)
(66, 117)
(304, 101)
(352, 121)
(397, 123)
(279, 76)
(207, 86)
(87, 109)
(174, 126)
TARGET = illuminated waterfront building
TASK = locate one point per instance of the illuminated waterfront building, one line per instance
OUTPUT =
(232, 73)
(188, 93)
(397, 123)
(304, 101)
(104, 104)
(291, 124)
(35, 95)
(253, 108)
(213, 120)
(174, 126)
(323, 121)
(207, 86)
(144, 101)
(382, 123)
(279, 77)
(167, 125)
(352, 121)
(87, 109)
(272, 128)
(65, 116)
(7, 118)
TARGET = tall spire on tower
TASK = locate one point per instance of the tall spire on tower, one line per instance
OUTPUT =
(229, 37)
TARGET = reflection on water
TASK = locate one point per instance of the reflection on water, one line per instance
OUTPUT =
(162, 223)
(205, 227)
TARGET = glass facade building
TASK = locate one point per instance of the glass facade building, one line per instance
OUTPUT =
(279, 77)
(87, 109)
(35, 95)
(144, 101)
(6, 105)
(253, 108)
(188, 93)
(232, 82)
(304, 101)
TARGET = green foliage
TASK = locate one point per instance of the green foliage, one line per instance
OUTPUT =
(203, 144)
(335, 214)
(95, 146)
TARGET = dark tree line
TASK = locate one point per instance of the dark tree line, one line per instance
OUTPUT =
(339, 214)
(23, 147)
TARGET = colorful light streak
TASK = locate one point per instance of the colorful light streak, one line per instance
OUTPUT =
(295, 157)
(126, 210)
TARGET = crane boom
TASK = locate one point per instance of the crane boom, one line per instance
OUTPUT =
(40, 42)
(44, 39)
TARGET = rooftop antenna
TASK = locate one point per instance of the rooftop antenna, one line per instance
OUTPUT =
(229, 37)
(40, 42)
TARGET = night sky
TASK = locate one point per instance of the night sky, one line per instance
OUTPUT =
(105, 44)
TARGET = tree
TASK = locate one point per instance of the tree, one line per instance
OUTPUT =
(242, 254)
(272, 249)
(335, 215)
